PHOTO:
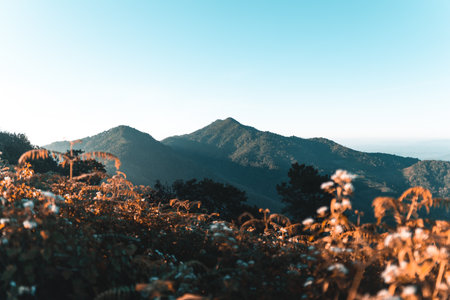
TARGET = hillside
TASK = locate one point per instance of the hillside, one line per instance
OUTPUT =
(257, 161)
(143, 158)
(232, 147)
(430, 174)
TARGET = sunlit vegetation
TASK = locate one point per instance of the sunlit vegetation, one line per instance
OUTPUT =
(62, 238)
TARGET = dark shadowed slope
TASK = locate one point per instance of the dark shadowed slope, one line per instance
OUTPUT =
(144, 159)
(232, 147)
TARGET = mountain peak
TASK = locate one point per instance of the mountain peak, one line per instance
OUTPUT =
(230, 120)
(127, 131)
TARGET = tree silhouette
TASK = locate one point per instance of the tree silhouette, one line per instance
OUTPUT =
(70, 157)
(302, 194)
(222, 198)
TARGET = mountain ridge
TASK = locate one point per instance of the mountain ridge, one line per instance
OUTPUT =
(252, 160)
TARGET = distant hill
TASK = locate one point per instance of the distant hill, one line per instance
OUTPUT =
(257, 161)
(143, 158)
(431, 174)
(230, 147)
(425, 149)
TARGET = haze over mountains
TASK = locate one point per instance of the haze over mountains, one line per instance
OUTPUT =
(256, 161)
(431, 149)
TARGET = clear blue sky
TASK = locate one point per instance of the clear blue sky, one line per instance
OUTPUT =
(336, 69)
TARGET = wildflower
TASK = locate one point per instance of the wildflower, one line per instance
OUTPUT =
(404, 233)
(322, 210)
(390, 273)
(29, 224)
(27, 290)
(335, 249)
(308, 281)
(337, 206)
(348, 188)
(389, 239)
(326, 185)
(420, 234)
(385, 295)
(340, 267)
(28, 204)
(342, 176)
(346, 203)
(308, 222)
(4, 220)
(53, 208)
(47, 194)
(432, 250)
(7, 180)
(409, 290)
(338, 229)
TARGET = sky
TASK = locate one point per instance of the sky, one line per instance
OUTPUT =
(335, 69)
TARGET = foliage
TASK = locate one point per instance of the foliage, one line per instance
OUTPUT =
(302, 194)
(224, 199)
(73, 240)
(74, 158)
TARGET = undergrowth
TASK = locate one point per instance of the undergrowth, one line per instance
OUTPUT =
(65, 239)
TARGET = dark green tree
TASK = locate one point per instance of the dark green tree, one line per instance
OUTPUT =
(302, 193)
(222, 198)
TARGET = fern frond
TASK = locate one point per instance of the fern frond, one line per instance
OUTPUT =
(245, 214)
(382, 204)
(252, 222)
(102, 155)
(442, 202)
(280, 219)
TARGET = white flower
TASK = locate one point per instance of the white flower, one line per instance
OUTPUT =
(337, 175)
(338, 229)
(326, 185)
(29, 224)
(409, 290)
(4, 220)
(308, 222)
(385, 295)
(322, 210)
(346, 203)
(336, 249)
(348, 188)
(390, 273)
(389, 239)
(342, 176)
(53, 208)
(28, 204)
(420, 234)
(340, 267)
(337, 206)
(48, 194)
(26, 290)
(404, 233)
(309, 281)
(432, 250)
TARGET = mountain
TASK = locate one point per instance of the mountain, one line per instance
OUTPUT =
(430, 174)
(143, 158)
(260, 160)
(256, 161)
